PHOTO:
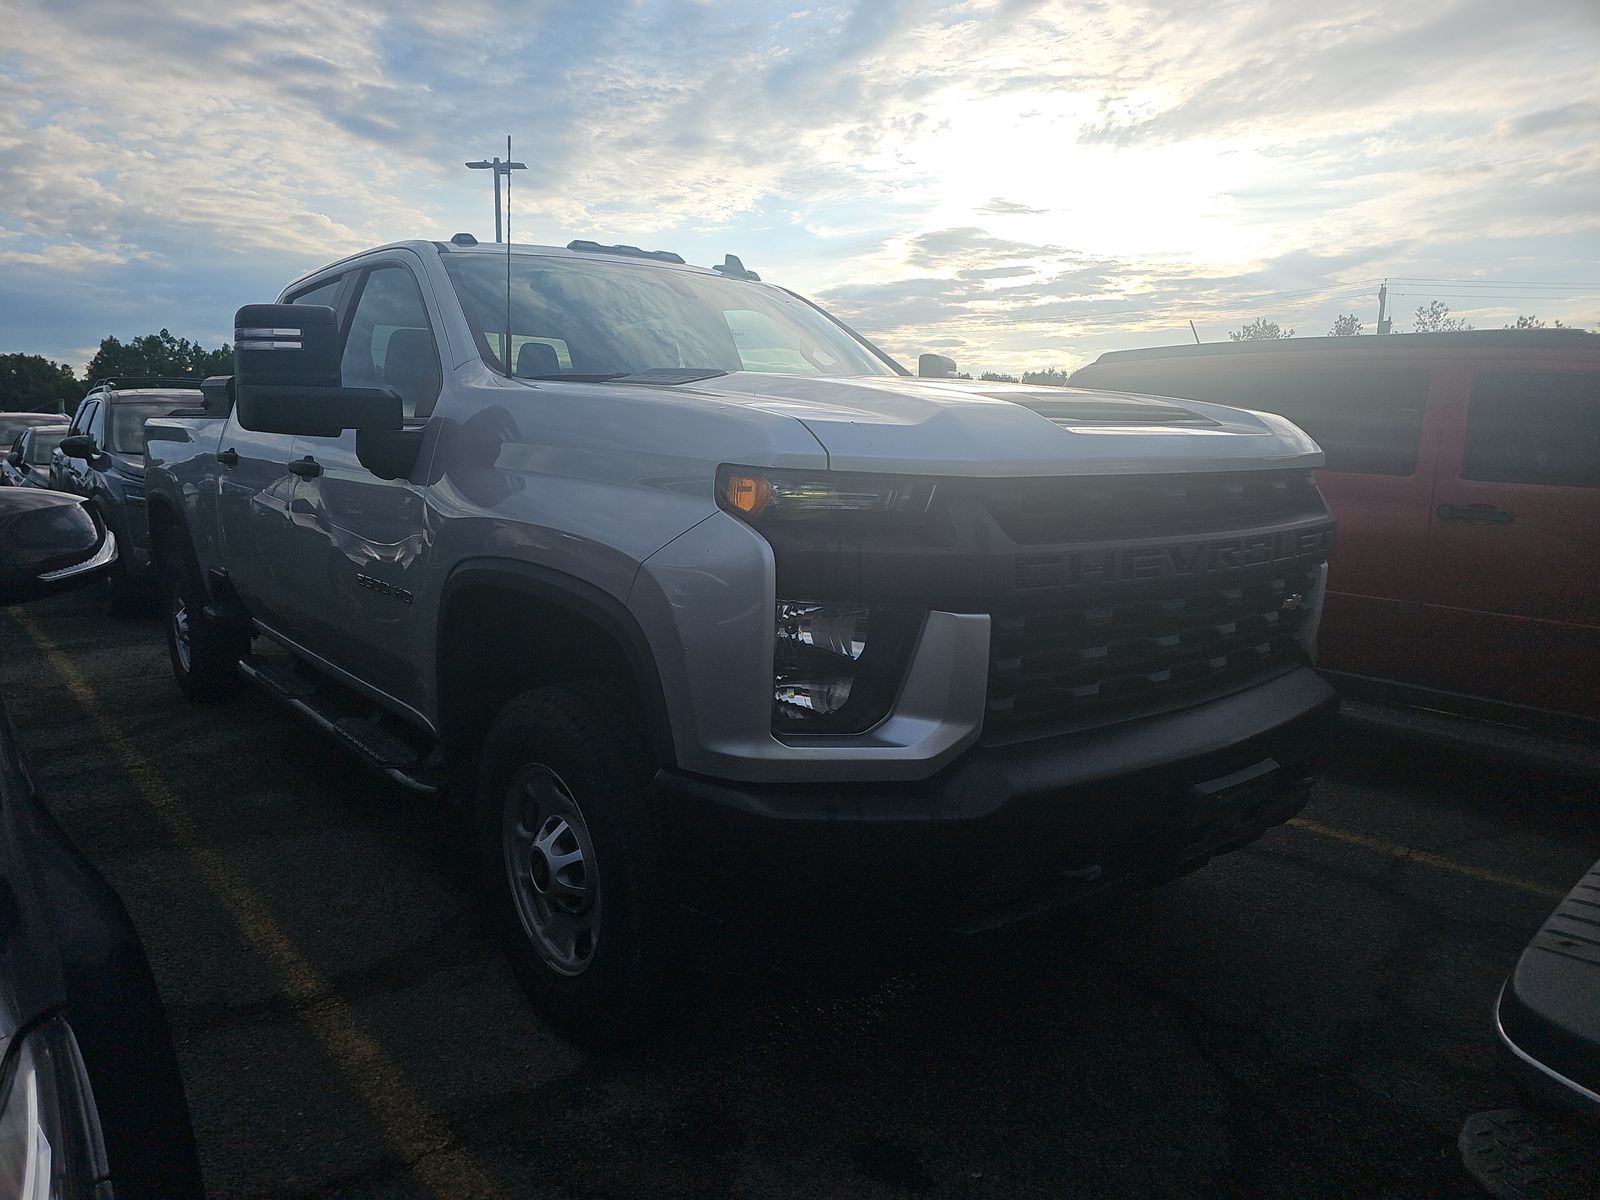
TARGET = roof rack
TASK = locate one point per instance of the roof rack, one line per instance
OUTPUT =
(113, 382)
(631, 251)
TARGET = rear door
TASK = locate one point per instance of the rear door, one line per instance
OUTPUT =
(360, 539)
(1513, 598)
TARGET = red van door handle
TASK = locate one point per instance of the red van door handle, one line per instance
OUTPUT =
(1476, 514)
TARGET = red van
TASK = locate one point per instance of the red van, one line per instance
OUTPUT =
(1464, 469)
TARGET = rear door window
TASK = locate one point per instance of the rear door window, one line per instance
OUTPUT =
(1540, 428)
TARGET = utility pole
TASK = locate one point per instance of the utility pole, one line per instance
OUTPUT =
(1384, 323)
(499, 167)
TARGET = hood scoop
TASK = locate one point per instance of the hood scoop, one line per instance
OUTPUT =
(1069, 411)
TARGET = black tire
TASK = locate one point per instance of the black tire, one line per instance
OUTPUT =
(206, 668)
(591, 746)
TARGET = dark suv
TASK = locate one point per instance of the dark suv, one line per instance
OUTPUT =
(102, 459)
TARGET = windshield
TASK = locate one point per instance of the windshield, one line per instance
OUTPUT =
(126, 432)
(40, 443)
(12, 424)
(593, 319)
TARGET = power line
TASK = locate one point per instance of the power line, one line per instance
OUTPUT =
(1490, 282)
(1438, 295)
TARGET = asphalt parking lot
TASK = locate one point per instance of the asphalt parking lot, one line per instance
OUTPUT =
(1305, 1018)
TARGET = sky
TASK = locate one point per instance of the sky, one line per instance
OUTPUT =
(1014, 183)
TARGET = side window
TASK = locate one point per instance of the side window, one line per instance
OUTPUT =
(325, 293)
(81, 418)
(97, 424)
(389, 343)
(1534, 428)
(1367, 421)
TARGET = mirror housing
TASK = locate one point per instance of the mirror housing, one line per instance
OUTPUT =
(49, 541)
(14, 457)
(80, 445)
(935, 366)
(294, 345)
(286, 375)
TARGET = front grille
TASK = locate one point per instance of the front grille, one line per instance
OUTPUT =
(1088, 662)
(1091, 508)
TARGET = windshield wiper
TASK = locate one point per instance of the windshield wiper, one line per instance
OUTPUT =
(672, 374)
(668, 375)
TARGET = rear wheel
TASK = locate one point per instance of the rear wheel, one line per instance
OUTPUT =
(568, 847)
(205, 654)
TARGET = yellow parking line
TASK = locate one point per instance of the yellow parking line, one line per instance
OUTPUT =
(414, 1131)
(1427, 858)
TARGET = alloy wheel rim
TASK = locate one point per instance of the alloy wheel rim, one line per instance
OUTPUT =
(550, 867)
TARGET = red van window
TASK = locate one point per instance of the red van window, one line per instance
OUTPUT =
(1534, 428)
(1368, 421)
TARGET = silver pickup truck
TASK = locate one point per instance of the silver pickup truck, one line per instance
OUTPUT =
(716, 624)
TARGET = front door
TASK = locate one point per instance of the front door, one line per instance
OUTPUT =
(254, 489)
(1513, 604)
(361, 539)
(68, 474)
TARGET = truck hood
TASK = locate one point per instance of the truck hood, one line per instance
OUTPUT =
(955, 427)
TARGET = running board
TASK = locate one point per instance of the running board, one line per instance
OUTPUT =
(382, 751)
(1517, 1155)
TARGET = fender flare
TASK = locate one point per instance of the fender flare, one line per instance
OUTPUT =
(582, 600)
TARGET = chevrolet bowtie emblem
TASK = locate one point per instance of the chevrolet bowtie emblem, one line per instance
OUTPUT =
(1294, 602)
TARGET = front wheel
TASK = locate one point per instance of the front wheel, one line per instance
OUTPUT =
(568, 846)
(205, 655)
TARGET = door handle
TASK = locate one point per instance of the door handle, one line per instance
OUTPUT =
(306, 468)
(228, 457)
(1476, 514)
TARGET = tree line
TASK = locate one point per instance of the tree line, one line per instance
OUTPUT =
(1433, 317)
(33, 383)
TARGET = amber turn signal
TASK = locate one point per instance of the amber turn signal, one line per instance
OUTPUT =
(746, 494)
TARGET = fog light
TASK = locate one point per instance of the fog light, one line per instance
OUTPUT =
(798, 698)
(836, 667)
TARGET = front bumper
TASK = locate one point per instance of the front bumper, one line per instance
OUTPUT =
(1004, 832)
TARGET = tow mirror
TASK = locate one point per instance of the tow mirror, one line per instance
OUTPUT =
(286, 375)
(49, 541)
(79, 445)
(935, 366)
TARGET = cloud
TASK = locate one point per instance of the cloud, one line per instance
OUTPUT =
(1173, 160)
(1010, 208)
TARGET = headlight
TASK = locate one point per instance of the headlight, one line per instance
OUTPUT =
(50, 1147)
(836, 668)
(759, 496)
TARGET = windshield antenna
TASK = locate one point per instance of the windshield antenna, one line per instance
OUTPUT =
(510, 369)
